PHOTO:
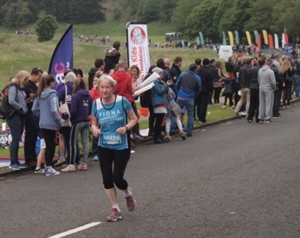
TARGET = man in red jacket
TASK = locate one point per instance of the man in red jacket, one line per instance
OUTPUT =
(124, 81)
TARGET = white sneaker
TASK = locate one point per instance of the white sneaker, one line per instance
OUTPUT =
(51, 171)
(60, 161)
(69, 168)
(223, 107)
(132, 151)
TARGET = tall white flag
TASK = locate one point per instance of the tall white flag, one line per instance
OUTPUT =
(137, 47)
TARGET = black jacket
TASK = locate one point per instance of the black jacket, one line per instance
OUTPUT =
(244, 77)
(174, 72)
(30, 89)
(253, 73)
(206, 79)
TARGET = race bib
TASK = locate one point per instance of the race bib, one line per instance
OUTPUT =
(112, 139)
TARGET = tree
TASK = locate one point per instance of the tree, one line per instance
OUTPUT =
(149, 11)
(201, 19)
(46, 27)
(259, 13)
(166, 9)
(15, 14)
(288, 19)
(182, 10)
(240, 15)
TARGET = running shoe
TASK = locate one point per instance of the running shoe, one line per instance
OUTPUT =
(69, 168)
(39, 171)
(131, 202)
(82, 167)
(22, 165)
(60, 161)
(96, 158)
(50, 171)
(115, 215)
(14, 166)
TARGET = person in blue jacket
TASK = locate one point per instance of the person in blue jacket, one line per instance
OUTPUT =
(159, 102)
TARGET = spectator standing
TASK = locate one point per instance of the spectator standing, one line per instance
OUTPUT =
(206, 90)
(286, 73)
(267, 85)
(46, 107)
(159, 103)
(17, 100)
(30, 124)
(112, 57)
(95, 94)
(80, 110)
(254, 91)
(244, 83)
(98, 66)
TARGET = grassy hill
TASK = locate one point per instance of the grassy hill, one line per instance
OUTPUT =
(25, 52)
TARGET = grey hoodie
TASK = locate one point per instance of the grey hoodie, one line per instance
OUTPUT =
(46, 107)
(266, 78)
(16, 98)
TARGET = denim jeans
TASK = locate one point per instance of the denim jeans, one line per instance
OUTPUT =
(190, 113)
(16, 124)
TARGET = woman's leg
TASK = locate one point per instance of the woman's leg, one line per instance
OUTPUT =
(157, 127)
(73, 142)
(16, 129)
(49, 136)
(85, 140)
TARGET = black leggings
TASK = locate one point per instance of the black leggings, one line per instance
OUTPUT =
(113, 164)
(158, 118)
(217, 92)
(49, 136)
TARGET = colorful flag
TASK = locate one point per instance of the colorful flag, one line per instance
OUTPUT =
(224, 38)
(265, 35)
(62, 58)
(276, 42)
(271, 42)
(255, 32)
(201, 38)
(138, 49)
(231, 40)
(237, 37)
(248, 38)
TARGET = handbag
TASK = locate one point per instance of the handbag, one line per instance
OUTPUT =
(63, 108)
(176, 110)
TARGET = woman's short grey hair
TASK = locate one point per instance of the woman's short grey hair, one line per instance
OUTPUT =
(70, 77)
(108, 78)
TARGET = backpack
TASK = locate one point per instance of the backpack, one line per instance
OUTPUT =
(145, 99)
(5, 109)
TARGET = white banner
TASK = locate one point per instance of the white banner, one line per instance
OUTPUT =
(276, 42)
(137, 46)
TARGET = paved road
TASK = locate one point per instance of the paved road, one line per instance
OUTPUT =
(232, 180)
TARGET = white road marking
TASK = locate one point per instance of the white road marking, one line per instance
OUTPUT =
(81, 228)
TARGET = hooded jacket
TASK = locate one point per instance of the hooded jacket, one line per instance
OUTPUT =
(81, 105)
(47, 109)
(266, 78)
(124, 84)
(112, 57)
(91, 77)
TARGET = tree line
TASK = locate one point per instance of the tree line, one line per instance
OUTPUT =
(18, 13)
(211, 17)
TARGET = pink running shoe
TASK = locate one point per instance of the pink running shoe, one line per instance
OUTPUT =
(115, 215)
(131, 202)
